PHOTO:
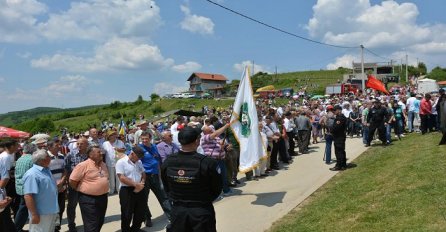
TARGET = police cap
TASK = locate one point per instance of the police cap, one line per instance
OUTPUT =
(188, 135)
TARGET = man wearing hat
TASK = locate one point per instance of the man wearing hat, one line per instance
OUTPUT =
(339, 135)
(377, 119)
(192, 182)
(142, 125)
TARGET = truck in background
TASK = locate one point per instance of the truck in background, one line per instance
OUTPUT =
(344, 88)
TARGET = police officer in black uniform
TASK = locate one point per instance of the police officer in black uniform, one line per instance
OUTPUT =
(192, 182)
(377, 119)
(339, 134)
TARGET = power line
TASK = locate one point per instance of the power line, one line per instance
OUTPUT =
(278, 29)
(373, 53)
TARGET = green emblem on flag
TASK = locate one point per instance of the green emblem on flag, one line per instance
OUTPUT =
(245, 120)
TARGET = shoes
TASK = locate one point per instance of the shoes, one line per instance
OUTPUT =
(367, 145)
(237, 181)
(148, 222)
(336, 168)
(275, 168)
(264, 175)
(396, 136)
(228, 193)
(232, 184)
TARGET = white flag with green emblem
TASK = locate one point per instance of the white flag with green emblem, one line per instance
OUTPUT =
(245, 125)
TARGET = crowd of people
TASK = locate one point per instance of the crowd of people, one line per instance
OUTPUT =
(38, 176)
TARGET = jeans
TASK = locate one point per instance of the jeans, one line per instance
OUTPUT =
(411, 117)
(388, 133)
(328, 143)
(153, 183)
(365, 134)
(22, 214)
(73, 199)
(224, 177)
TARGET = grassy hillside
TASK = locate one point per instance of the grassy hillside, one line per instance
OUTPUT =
(395, 188)
(77, 119)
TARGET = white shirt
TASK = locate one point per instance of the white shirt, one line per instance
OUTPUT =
(289, 125)
(131, 170)
(410, 103)
(110, 157)
(174, 127)
(6, 162)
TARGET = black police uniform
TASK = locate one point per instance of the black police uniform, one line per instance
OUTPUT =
(377, 117)
(192, 182)
(339, 136)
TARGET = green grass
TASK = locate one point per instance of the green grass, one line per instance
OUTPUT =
(398, 188)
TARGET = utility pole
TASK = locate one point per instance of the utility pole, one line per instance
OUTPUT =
(362, 68)
(406, 67)
(391, 64)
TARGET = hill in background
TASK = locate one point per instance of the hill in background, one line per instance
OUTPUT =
(47, 119)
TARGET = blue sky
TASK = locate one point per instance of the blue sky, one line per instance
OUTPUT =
(76, 53)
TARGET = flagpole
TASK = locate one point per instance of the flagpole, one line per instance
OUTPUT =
(362, 69)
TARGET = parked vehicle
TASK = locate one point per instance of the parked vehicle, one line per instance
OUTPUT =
(345, 88)
(187, 95)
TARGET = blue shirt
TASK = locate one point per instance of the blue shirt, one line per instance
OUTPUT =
(39, 182)
(151, 159)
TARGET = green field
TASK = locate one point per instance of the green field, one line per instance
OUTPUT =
(397, 188)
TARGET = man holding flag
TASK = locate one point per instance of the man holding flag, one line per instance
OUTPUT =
(244, 124)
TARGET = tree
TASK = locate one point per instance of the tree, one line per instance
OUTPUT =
(438, 74)
(422, 68)
(139, 100)
(154, 96)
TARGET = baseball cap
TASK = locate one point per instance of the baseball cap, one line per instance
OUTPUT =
(188, 135)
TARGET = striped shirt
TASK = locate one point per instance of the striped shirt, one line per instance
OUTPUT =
(212, 147)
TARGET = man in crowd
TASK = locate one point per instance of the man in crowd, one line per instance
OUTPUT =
(193, 182)
(10, 147)
(72, 160)
(214, 147)
(90, 179)
(41, 193)
(143, 125)
(166, 147)
(377, 119)
(339, 130)
(151, 162)
(57, 168)
(131, 174)
(289, 127)
(23, 164)
(303, 125)
(425, 113)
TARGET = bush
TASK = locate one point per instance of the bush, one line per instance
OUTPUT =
(157, 110)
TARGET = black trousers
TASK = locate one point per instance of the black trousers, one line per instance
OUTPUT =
(192, 219)
(61, 200)
(132, 208)
(153, 183)
(424, 123)
(6, 223)
(291, 143)
(381, 132)
(341, 157)
(73, 199)
(93, 211)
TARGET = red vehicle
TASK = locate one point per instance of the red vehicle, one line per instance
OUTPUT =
(342, 89)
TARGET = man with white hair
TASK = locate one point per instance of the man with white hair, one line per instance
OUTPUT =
(166, 147)
(41, 193)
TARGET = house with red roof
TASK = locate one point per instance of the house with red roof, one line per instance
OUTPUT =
(201, 83)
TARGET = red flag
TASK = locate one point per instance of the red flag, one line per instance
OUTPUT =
(376, 84)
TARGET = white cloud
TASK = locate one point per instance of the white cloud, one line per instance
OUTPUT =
(343, 61)
(24, 55)
(187, 67)
(65, 86)
(162, 88)
(195, 23)
(430, 47)
(98, 20)
(388, 24)
(239, 67)
(117, 53)
(18, 20)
